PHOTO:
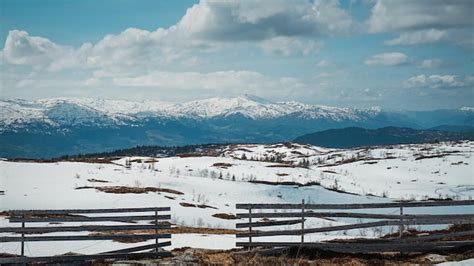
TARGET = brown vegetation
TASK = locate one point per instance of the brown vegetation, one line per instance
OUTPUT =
(98, 180)
(282, 174)
(450, 229)
(202, 206)
(286, 183)
(225, 216)
(329, 172)
(222, 165)
(309, 257)
(132, 190)
(282, 165)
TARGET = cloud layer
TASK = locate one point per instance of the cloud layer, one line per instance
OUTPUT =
(440, 81)
(387, 59)
(423, 21)
(320, 51)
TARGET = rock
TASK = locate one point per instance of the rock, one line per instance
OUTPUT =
(435, 258)
(187, 258)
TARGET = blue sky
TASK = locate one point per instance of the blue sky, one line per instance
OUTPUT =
(403, 54)
(73, 22)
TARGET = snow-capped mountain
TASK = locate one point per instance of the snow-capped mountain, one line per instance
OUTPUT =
(53, 127)
(99, 112)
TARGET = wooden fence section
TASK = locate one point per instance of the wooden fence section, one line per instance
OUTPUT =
(301, 212)
(154, 219)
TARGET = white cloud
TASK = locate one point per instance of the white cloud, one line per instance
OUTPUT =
(231, 81)
(431, 63)
(439, 81)
(288, 46)
(387, 59)
(280, 27)
(183, 61)
(416, 37)
(23, 49)
(132, 49)
(324, 63)
(338, 74)
(423, 21)
(264, 19)
(389, 15)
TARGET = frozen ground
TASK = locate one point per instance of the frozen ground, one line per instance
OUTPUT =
(418, 171)
(404, 171)
(467, 262)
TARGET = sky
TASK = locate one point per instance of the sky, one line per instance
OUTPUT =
(394, 54)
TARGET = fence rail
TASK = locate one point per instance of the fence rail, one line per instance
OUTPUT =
(300, 213)
(26, 234)
(406, 204)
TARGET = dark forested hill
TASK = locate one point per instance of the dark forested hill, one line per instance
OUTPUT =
(355, 136)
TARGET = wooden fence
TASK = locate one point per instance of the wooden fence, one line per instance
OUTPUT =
(299, 213)
(155, 219)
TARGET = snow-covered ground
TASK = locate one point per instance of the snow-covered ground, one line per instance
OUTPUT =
(417, 171)
(222, 181)
(458, 263)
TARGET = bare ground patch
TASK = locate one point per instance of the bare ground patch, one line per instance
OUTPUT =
(192, 205)
(310, 257)
(282, 165)
(223, 165)
(97, 180)
(132, 190)
(225, 216)
(286, 183)
(282, 174)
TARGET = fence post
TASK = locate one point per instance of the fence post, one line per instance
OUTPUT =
(156, 230)
(302, 221)
(250, 228)
(23, 235)
(401, 228)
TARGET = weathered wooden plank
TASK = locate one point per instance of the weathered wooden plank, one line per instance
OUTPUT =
(268, 223)
(83, 258)
(140, 248)
(83, 237)
(352, 215)
(69, 211)
(357, 206)
(355, 226)
(366, 247)
(96, 228)
(89, 219)
(355, 244)
(313, 230)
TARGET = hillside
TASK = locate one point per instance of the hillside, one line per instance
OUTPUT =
(356, 137)
(204, 188)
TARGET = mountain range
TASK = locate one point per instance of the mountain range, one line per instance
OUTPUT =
(53, 127)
